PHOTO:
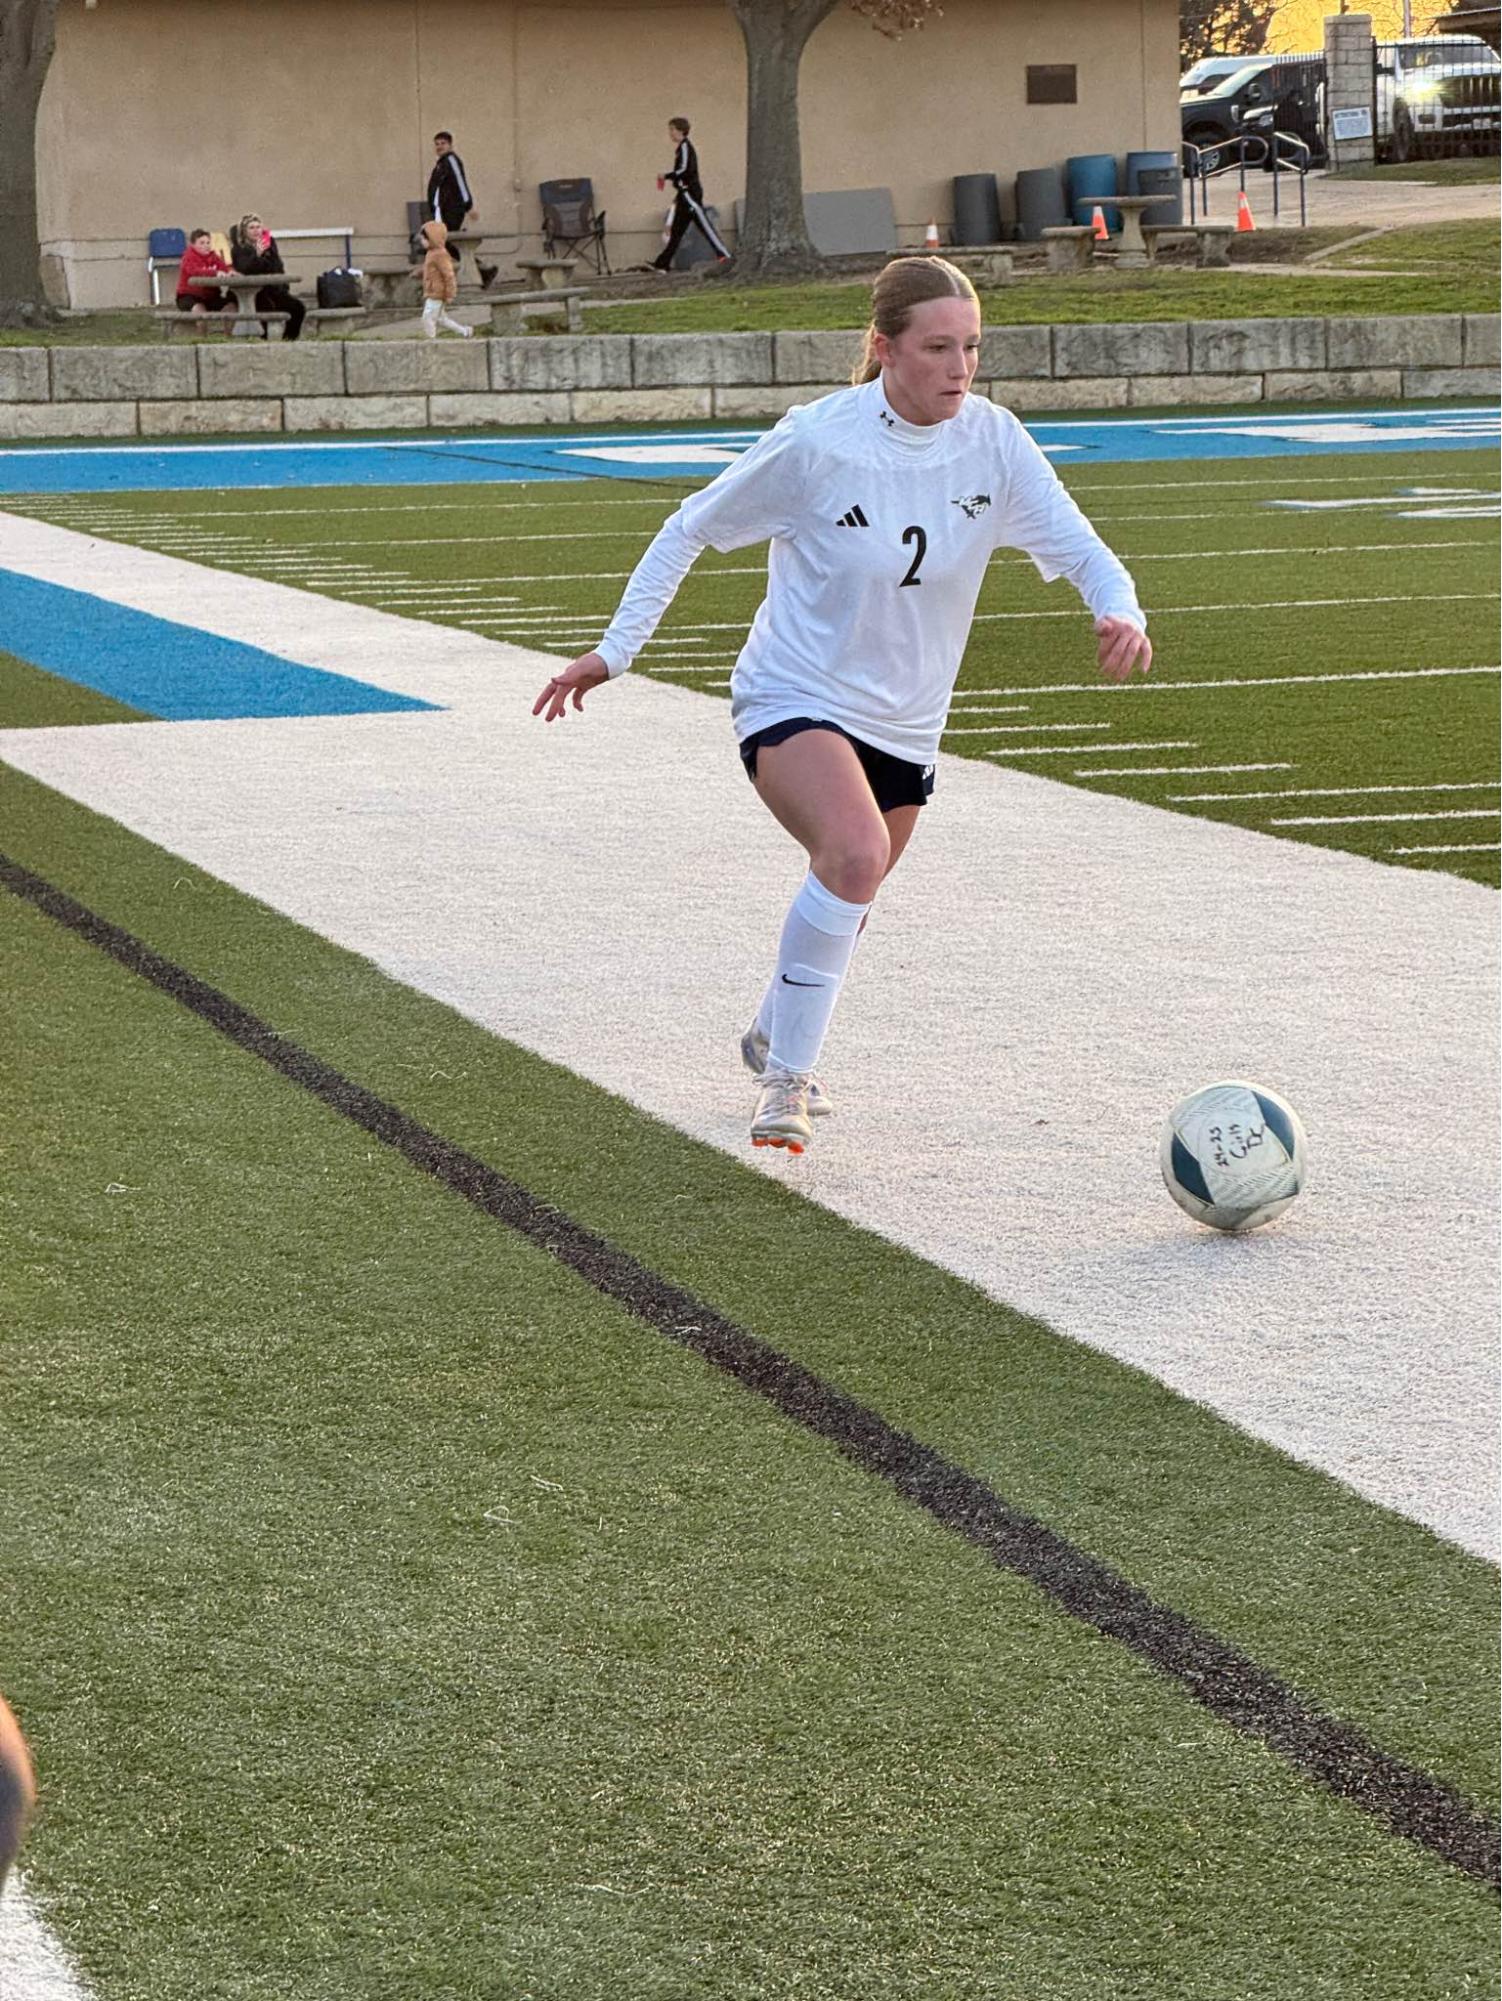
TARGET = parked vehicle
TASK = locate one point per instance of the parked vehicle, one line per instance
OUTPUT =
(1211, 70)
(1436, 93)
(1267, 94)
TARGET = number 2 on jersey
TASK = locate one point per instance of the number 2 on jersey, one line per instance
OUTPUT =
(914, 534)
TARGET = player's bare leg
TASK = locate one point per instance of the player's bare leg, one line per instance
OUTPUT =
(756, 1042)
(815, 787)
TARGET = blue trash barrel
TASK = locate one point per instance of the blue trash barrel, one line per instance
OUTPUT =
(1157, 174)
(1040, 202)
(1091, 177)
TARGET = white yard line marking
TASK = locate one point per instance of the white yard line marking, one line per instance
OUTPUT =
(1002, 729)
(1417, 496)
(1261, 479)
(1339, 791)
(1227, 610)
(1373, 819)
(1163, 770)
(1191, 514)
(33, 1964)
(1151, 682)
(1457, 848)
(1323, 550)
(1078, 749)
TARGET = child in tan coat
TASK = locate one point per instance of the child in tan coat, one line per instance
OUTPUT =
(439, 284)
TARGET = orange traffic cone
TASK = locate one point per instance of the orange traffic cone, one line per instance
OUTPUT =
(1098, 224)
(931, 235)
(1243, 214)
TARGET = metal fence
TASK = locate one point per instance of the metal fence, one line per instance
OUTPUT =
(1434, 98)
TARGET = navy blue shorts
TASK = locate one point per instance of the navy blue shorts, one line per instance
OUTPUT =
(893, 781)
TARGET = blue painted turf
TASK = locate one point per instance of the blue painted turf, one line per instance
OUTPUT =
(446, 461)
(169, 670)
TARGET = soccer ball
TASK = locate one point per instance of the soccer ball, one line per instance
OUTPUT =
(1232, 1155)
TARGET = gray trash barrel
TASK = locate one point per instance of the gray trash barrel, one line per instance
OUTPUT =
(1157, 174)
(1040, 202)
(977, 210)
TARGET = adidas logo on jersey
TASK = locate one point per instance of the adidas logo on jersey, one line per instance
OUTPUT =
(854, 519)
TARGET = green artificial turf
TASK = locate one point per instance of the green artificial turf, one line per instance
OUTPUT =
(33, 699)
(393, 1616)
(1238, 590)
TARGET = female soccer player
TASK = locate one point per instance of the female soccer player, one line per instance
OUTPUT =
(883, 504)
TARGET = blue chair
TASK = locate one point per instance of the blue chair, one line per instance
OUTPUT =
(163, 246)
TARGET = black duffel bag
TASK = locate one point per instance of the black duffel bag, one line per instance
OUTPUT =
(338, 288)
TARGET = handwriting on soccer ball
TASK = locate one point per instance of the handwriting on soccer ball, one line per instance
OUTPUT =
(1234, 1142)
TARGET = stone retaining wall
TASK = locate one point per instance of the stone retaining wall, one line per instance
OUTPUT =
(329, 385)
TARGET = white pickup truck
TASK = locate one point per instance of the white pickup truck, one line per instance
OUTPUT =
(1437, 93)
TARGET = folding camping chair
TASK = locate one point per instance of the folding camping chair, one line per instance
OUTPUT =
(570, 226)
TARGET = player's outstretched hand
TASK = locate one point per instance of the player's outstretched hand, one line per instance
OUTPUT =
(587, 672)
(1123, 648)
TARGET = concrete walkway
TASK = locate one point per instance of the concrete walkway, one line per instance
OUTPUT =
(1361, 204)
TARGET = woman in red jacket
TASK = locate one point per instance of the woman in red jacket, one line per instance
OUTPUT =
(201, 260)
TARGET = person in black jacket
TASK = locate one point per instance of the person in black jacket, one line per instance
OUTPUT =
(688, 203)
(252, 249)
(449, 199)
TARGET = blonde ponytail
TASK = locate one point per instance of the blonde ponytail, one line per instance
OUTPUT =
(904, 283)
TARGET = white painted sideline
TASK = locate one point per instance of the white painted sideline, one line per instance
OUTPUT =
(1046, 972)
(33, 1966)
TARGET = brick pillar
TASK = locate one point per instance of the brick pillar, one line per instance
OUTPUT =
(1349, 56)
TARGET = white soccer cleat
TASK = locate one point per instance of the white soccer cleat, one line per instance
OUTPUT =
(781, 1116)
(754, 1051)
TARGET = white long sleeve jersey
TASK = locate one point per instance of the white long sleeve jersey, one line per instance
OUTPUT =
(880, 535)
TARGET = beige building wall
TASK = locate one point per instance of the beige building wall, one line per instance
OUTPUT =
(320, 112)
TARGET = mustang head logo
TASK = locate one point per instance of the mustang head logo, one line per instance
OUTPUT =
(973, 504)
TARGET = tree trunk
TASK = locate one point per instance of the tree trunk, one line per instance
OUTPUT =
(774, 239)
(28, 32)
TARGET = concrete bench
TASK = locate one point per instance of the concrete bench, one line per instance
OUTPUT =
(316, 315)
(221, 323)
(549, 274)
(509, 314)
(1213, 240)
(989, 263)
(1071, 246)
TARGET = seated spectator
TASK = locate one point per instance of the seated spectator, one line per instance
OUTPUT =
(253, 250)
(201, 260)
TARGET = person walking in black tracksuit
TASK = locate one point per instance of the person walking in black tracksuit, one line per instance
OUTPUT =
(449, 199)
(688, 205)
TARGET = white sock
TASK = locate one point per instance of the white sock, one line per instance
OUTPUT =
(818, 938)
(768, 1003)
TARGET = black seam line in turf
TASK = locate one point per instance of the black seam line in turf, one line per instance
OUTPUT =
(672, 485)
(1409, 1801)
